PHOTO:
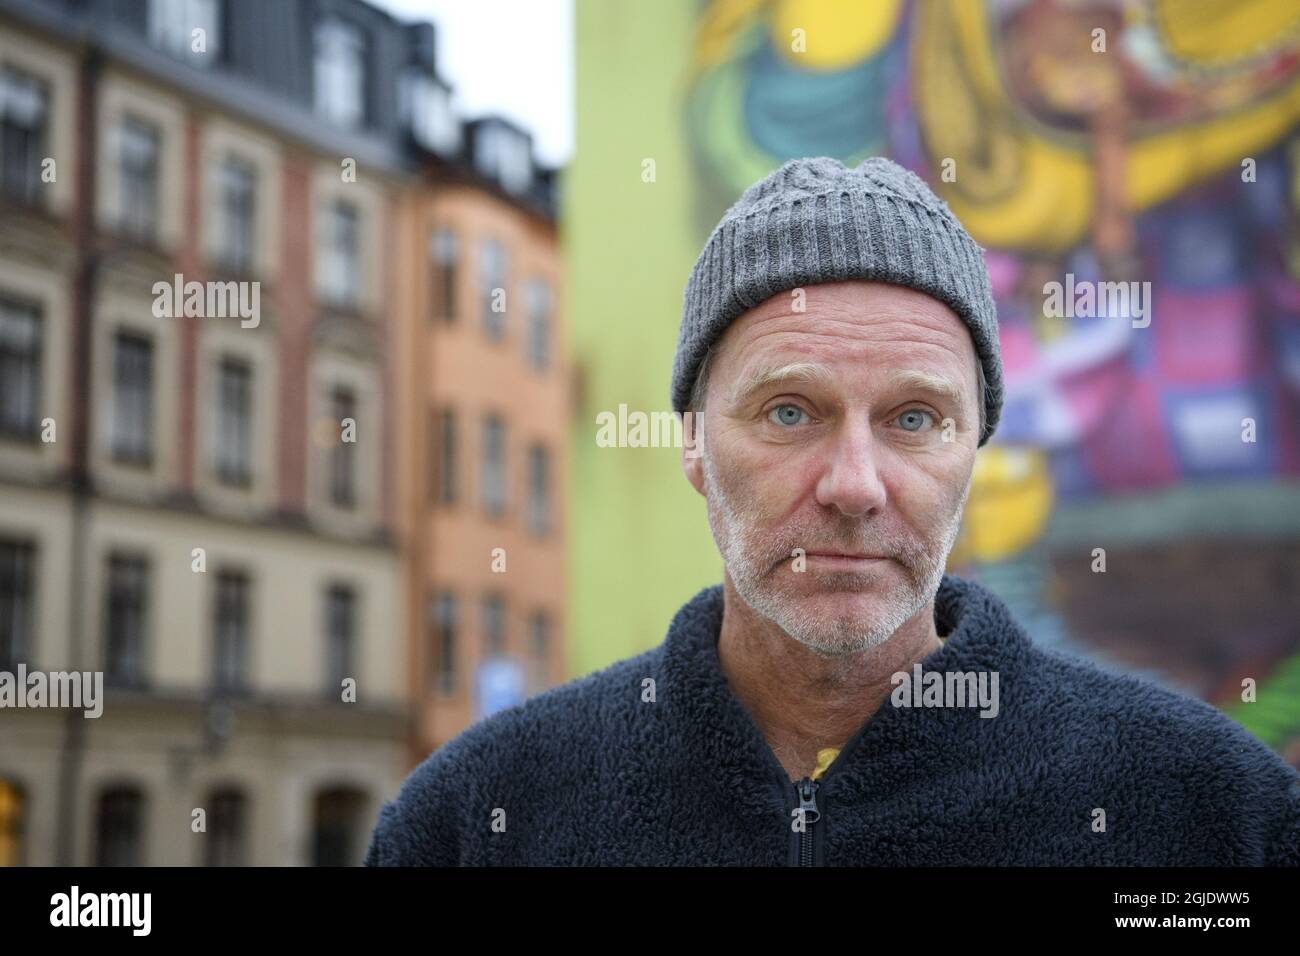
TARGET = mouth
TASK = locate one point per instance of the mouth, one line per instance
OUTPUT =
(844, 559)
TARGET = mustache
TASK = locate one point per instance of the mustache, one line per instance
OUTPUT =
(771, 546)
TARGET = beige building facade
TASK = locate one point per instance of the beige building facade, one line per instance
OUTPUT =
(197, 508)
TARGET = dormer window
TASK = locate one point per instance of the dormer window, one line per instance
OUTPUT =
(426, 109)
(340, 61)
(503, 154)
(189, 30)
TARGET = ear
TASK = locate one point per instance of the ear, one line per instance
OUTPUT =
(692, 449)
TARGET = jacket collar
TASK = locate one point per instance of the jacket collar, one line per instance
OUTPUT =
(720, 739)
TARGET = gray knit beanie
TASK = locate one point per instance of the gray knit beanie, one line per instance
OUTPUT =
(815, 220)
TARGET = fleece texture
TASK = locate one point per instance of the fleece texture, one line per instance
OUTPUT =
(612, 769)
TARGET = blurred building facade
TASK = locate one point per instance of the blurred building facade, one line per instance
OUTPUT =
(482, 364)
(216, 511)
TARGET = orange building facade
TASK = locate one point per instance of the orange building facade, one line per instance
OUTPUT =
(484, 391)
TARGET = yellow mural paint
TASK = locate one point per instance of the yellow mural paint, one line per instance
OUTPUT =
(836, 33)
(1010, 501)
(716, 32)
(1021, 185)
(1218, 33)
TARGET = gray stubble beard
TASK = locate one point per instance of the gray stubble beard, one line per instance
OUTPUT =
(751, 568)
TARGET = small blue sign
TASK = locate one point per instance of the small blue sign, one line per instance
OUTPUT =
(500, 685)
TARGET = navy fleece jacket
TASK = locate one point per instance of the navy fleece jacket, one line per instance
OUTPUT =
(612, 769)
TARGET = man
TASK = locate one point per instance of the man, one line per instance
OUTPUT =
(838, 699)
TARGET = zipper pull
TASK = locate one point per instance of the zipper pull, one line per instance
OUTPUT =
(807, 789)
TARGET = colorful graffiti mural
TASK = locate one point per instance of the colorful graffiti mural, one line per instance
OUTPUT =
(1149, 144)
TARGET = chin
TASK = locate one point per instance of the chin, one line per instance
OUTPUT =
(835, 635)
(834, 619)
(845, 607)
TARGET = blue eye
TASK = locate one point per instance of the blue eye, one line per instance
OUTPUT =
(785, 419)
(910, 417)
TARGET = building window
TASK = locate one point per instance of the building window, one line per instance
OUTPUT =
(20, 368)
(493, 277)
(234, 436)
(17, 597)
(340, 636)
(238, 214)
(172, 26)
(444, 252)
(445, 625)
(445, 458)
(426, 108)
(119, 828)
(227, 829)
(340, 72)
(539, 324)
(231, 633)
(125, 620)
(493, 474)
(539, 652)
(503, 154)
(12, 804)
(343, 457)
(341, 277)
(24, 116)
(132, 399)
(138, 153)
(337, 830)
(494, 626)
(539, 490)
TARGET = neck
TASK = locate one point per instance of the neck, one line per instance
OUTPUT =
(801, 700)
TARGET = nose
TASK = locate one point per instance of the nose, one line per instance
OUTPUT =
(852, 481)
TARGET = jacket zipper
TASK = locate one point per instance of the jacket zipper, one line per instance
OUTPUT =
(806, 793)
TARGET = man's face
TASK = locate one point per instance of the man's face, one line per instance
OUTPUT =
(842, 456)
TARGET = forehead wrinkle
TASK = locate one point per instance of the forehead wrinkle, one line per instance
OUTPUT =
(894, 337)
(836, 331)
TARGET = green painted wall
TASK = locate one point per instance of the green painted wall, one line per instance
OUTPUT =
(639, 537)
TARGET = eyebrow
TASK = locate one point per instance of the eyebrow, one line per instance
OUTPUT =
(812, 373)
(914, 380)
(762, 378)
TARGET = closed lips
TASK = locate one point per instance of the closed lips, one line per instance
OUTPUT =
(841, 554)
